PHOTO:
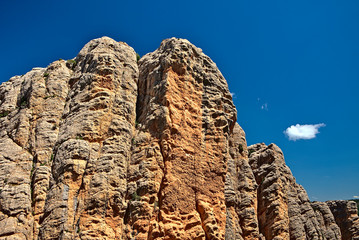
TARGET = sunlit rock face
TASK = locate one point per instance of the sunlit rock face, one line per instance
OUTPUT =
(104, 146)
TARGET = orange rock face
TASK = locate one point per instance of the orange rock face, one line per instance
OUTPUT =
(105, 147)
(185, 132)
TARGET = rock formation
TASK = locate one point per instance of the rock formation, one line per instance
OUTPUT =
(284, 210)
(105, 147)
(346, 216)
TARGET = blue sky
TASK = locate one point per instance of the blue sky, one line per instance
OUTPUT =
(287, 63)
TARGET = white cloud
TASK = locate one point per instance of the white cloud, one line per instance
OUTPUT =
(307, 131)
(233, 95)
(356, 197)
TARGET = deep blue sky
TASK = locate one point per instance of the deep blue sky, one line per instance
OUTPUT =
(301, 58)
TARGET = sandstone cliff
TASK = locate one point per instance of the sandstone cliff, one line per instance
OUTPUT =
(105, 147)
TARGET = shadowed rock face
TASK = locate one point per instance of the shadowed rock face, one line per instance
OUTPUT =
(105, 147)
(346, 216)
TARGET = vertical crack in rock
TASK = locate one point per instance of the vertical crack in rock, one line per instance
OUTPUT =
(199, 204)
(34, 103)
(47, 108)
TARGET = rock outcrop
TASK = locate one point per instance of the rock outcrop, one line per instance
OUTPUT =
(346, 216)
(178, 167)
(105, 147)
(284, 210)
(240, 191)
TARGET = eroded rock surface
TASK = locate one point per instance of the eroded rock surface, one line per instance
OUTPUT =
(240, 191)
(185, 117)
(105, 147)
(346, 216)
(284, 210)
(89, 169)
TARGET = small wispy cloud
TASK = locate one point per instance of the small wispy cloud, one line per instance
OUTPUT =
(307, 131)
(356, 197)
(264, 106)
(233, 95)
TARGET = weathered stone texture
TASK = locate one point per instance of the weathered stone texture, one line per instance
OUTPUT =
(33, 105)
(86, 196)
(185, 116)
(346, 216)
(330, 229)
(284, 210)
(105, 147)
(240, 191)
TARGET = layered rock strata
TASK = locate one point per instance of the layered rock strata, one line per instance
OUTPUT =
(105, 147)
